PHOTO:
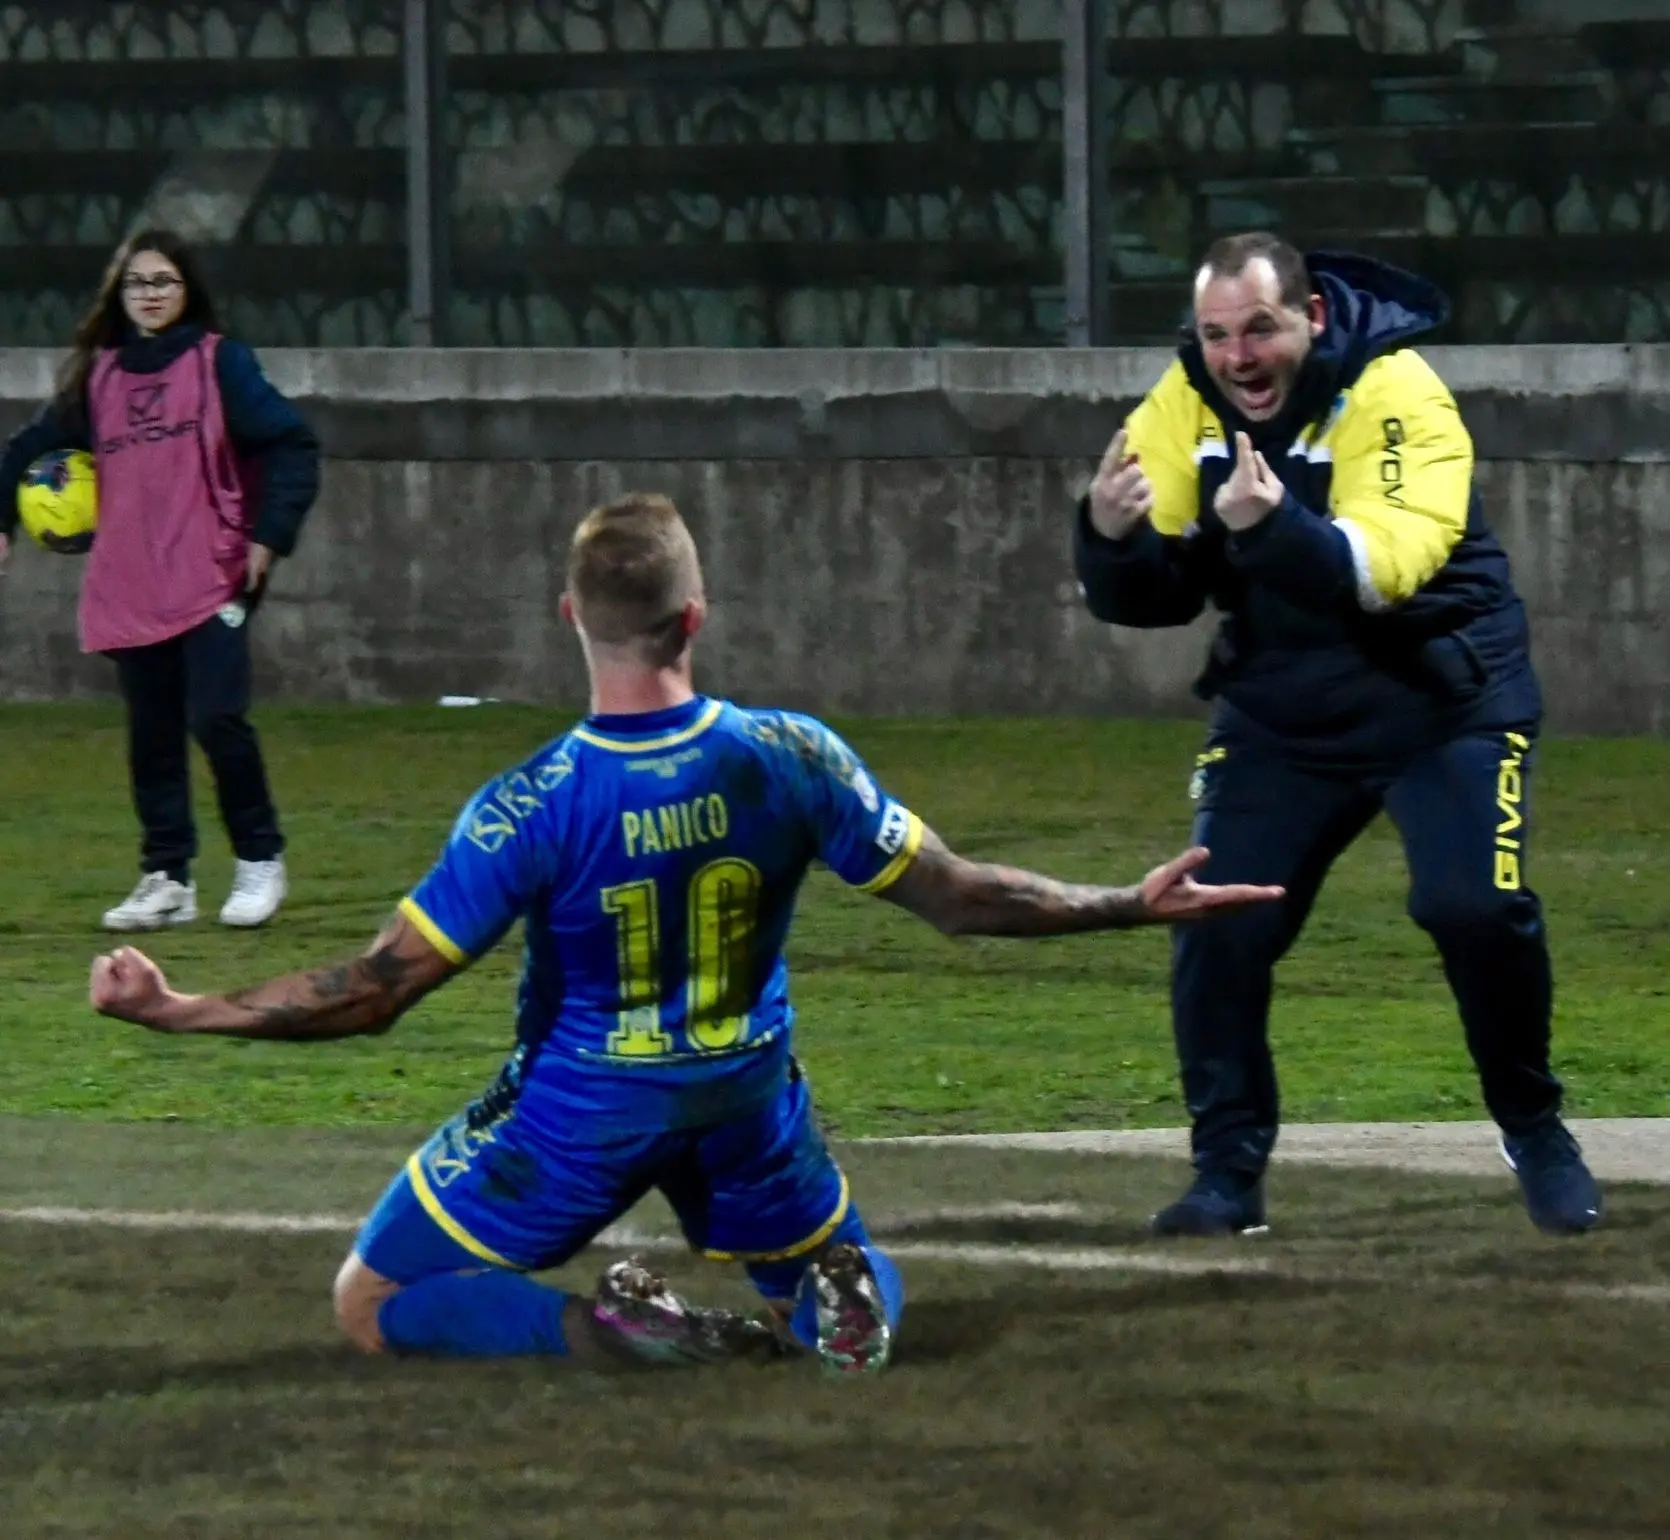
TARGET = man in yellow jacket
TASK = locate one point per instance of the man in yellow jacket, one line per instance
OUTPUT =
(1306, 473)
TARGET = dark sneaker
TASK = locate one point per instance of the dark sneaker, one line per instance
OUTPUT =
(1561, 1196)
(636, 1312)
(853, 1334)
(1217, 1204)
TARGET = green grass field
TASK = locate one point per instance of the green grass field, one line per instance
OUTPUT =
(1403, 1356)
(902, 1030)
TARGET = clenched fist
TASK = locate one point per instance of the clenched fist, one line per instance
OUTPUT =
(128, 985)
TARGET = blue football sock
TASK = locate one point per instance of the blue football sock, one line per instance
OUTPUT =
(804, 1322)
(475, 1315)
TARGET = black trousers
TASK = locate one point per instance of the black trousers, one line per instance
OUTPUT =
(198, 683)
(1462, 811)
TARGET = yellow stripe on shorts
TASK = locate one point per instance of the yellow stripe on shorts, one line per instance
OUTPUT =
(800, 1248)
(432, 1207)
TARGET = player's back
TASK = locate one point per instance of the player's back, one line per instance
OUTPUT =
(656, 859)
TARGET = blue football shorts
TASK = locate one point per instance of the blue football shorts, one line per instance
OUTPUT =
(761, 1188)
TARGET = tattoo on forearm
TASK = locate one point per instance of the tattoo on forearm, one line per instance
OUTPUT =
(335, 1001)
(1006, 901)
(972, 898)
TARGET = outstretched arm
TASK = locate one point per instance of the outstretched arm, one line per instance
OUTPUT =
(973, 898)
(363, 995)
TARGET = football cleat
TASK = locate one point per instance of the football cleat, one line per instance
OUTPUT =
(636, 1312)
(853, 1333)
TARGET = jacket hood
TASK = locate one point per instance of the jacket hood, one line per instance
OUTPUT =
(1372, 308)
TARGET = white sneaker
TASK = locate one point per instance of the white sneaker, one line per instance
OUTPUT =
(158, 901)
(258, 888)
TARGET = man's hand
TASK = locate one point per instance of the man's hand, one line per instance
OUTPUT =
(364, 994)
(1169, 894)
(260, 563)
(1253, 491)
(975, 898)
(1121, 496)
(126, 984)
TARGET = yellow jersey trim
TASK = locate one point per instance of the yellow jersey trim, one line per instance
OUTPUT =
(432, 933)
(895, 869)
(800, 1248)
(648, 745)
(432, 1207)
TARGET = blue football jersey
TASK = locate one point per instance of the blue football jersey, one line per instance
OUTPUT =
(654, 860)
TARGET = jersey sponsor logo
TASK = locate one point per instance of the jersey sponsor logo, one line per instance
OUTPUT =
(515, 797)
(667, 766)
(555, 770)
(490, 827)
(894, 830)
(866, 790)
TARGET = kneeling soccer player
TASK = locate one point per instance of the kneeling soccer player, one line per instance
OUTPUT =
(653, 853)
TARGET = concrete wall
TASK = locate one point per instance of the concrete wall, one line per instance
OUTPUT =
(885, 531)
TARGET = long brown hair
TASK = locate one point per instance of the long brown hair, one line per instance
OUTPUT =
(105, 324)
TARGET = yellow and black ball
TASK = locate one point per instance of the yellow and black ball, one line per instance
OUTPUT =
(58, 501)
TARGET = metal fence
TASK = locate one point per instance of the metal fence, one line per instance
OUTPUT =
(898, 173)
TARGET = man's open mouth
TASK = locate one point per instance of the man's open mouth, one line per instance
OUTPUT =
(1257, 394)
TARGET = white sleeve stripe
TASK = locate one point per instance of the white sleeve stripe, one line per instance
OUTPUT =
(1368, 596)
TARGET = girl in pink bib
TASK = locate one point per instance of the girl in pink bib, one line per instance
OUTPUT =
(205, 473)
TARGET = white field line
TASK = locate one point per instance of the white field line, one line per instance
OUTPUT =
(182, 1219)
(1081, 1259)
(1244, 1262)
(346, 1224)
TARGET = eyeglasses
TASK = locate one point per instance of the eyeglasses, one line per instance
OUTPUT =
(160, 283)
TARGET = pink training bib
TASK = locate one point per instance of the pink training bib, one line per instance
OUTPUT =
(173, 541)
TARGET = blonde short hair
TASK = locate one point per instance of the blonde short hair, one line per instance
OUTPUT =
(632, 568)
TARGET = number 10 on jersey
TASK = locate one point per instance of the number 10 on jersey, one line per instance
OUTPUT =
(723, 906)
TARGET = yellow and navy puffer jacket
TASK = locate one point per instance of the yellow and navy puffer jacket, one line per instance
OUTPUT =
(1372, 613)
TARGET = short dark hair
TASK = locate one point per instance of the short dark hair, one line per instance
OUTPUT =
(1228, 257)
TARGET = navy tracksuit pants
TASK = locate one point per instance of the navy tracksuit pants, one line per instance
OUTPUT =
(1461, 809)
(197, 683)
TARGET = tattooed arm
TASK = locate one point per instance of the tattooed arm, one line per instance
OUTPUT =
(348, 999)
(972, 898)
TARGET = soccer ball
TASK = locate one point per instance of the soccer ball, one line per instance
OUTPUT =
(58, 501)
